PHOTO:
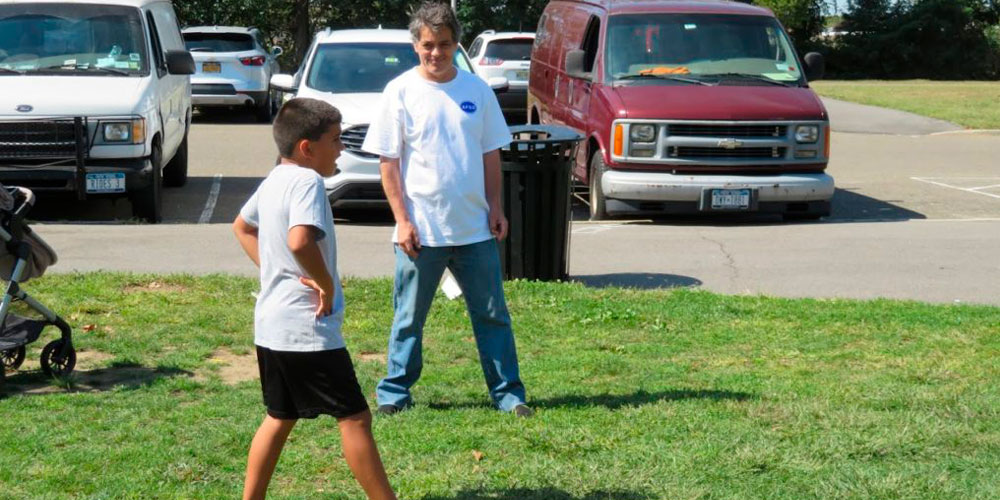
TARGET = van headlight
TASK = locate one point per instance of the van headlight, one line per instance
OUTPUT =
(642, 133)
(127, 132)
(807, 133)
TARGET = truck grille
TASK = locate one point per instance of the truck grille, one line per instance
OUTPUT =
(696, 152)
(39, 139)
(353, 138)
(692, 130)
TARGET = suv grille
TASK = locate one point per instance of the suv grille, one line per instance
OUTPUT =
(353, 138)
(690, 130)
(39, 139)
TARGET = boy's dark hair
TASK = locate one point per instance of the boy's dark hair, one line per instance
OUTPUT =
(436, 16)
(302, 118)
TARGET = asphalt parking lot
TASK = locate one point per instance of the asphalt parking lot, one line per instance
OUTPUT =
(914, 217)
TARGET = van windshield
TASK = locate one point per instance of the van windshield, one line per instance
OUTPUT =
(52, 38)
(700, 48)
(364, 67)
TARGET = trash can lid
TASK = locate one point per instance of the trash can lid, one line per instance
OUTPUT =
(543, 134)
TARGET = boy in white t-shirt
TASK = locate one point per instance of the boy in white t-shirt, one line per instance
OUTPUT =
(286, 228)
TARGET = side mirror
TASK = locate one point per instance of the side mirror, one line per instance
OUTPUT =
(277, 51)
(180, 62)
(574, 64)
(499, 84)
(815, 66)
(283, 82)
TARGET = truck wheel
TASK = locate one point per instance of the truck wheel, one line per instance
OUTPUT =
(175, 174)
(265, 110)
(147, 203)
(598, 208)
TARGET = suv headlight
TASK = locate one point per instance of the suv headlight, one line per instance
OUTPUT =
(806, 133)
(642, 133)
(127, 132)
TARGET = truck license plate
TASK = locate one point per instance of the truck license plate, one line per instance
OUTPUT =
(106, 183)
(730, 199)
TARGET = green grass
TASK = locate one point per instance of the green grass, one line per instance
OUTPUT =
(971, 104)
(640, 395)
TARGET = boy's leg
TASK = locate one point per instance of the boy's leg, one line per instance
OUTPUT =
(264, 452)
(363, 457)
(477, 269)
(414, 286)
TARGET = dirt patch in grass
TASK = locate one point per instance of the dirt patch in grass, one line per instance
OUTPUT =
(378, 357)
(233, 368)
(153, 286)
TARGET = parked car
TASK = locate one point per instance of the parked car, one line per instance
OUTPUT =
(96, 99)
(350, 69)
(232, 68)
(505, 55)
(697, 106)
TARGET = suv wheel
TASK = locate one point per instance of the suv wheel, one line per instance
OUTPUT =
(147, 203)
(598, 208)
(265, 111)
(176, 172)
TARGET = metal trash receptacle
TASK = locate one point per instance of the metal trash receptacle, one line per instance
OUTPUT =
(537, 169)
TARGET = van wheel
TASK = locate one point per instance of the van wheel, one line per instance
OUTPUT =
(265, 111)
(147, 203)
(598, 208)
(176, 172)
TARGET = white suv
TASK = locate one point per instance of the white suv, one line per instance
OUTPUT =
(506, 55)
(232, 68)
(350, 69)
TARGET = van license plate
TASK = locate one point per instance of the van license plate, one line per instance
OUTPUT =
(106, 183)
(521, 75)
(730, 199)
(211, 67)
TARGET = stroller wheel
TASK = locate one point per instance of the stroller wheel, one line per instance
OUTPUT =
(54, 364)
(12, 358)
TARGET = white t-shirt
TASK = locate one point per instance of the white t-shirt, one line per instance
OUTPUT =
(285, 315)
(439, 131)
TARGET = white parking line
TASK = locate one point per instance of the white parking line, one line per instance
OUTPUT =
(959, 188)
(213, 197)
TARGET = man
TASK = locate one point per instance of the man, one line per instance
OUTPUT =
(438, 134)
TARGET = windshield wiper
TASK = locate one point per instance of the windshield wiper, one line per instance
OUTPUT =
(759, 78)
(674, 78)
(65, 67)
(8, 71)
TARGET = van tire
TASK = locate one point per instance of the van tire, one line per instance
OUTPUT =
(176, 172)
(147, 203)
(265, 110)
(598, 204)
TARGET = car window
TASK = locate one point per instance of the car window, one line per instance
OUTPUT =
(516, 49)
(476, 45)
(218, 42)
(167, 26)
(364, 67)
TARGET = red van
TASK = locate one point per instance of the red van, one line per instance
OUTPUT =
(687, 106)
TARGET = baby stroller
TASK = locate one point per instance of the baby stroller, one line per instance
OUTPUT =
(24, 255)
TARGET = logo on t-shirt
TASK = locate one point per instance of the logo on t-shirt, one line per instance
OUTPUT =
(468, 107)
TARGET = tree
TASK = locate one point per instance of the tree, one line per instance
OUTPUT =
(802, 18)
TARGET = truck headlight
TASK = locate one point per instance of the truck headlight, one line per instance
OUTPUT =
(806, 133)
(642, 133)
(129, 132)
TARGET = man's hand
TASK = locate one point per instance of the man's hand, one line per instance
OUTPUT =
(325, 297)
(408, 239)
(498, 224)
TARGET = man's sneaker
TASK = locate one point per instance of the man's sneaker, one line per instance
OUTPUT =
(388, 409)
(523, 411)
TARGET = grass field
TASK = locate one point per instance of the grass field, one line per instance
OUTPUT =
(971, 104)
(640, 395)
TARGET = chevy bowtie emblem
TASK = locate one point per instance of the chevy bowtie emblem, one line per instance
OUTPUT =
(24, 108)
(730, 144)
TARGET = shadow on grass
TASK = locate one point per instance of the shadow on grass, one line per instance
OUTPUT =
(643, 281)
(128, 376)
(615, 401)
(540, 494)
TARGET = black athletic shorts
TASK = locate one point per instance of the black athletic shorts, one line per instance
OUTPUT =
(307, 384)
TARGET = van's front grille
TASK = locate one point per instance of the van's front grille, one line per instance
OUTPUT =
(702, 153)
(693, 130)
(353, 139)
(39, 139)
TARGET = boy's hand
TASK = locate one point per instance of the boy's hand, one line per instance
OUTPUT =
(325, 297)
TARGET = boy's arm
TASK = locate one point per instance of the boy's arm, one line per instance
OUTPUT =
(247, 236)
(494, 191)
(302, 243)
(392, 184)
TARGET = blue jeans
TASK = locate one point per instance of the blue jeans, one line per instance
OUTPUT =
(476, 267)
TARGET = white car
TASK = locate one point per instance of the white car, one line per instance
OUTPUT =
(506, 55)
(95, 99)
(350, 69)
(232, 68)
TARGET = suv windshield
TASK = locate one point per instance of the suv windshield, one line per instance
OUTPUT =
(218, 42)
(77, 38)
(515, 49)
(722, 49)
(364, 67)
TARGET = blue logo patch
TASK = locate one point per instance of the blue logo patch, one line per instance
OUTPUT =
(468, 107)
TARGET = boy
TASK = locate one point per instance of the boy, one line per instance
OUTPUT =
(286, 228)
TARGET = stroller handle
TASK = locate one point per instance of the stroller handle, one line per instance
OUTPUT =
(27, 197)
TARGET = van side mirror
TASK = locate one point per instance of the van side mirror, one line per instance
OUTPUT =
(574, 64)
(283, 82)
(180, 62)
(815, 66)
(499, 84)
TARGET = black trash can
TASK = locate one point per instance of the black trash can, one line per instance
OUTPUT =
(536, 200)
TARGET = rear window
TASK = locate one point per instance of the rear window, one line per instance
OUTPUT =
(218, 42)
(518, 49)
